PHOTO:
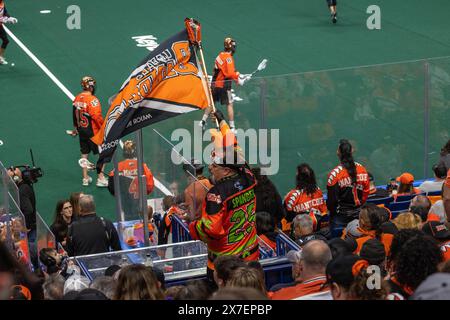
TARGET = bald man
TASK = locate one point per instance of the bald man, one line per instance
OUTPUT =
(308, 270)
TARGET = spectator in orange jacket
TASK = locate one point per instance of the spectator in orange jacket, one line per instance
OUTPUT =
(308, 270)
(348, 188)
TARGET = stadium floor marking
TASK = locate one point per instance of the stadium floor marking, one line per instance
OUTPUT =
(40, 64)
(158, 183)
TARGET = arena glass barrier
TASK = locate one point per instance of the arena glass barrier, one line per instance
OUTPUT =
(438, 110)
(394, 115)
(45, 237)
(13, 226)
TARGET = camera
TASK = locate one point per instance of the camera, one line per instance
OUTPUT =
(30, 174)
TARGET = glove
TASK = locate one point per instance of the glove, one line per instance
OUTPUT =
(219, 116)
(243, 78)
(11, 20)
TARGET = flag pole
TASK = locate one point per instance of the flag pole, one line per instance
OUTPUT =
(194, 34)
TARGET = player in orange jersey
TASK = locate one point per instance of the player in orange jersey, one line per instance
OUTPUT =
(87, 120)
(4, 18)
(223, 76)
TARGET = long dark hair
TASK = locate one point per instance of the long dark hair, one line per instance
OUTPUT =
(306, 178)
(446, 149)
(264, 223)
(376, 217)
(346, 158)
(74, 200)
(59, 207)
(264, 187)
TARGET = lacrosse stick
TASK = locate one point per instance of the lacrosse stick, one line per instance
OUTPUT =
(86, 164)
(262, 65)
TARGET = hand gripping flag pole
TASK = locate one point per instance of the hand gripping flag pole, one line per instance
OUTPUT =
(193, 29)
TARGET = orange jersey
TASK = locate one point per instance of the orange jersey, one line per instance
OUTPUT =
(307, 287)
(224, 70)
(228, 221)
(445, 248)
(129, 168)
(298, 201)
(342, 194)
(87, 114)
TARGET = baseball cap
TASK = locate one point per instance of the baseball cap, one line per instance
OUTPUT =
(111, 270)
(437, 230)
(76, 283)
(373, 251)
(89, 294)
(340, 246)
(19, 292)
(405, 178)
(353, 229)
(435, 287)
(342, 270)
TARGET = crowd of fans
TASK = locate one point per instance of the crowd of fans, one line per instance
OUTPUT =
(353, 247)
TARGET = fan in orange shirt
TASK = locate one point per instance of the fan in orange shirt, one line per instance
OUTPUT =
(87, 120)
(305, 197)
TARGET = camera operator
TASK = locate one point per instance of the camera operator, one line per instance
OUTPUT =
(56, 263)
(27, 200)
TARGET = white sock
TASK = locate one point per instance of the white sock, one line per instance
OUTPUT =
(205, 116)
(231, 123)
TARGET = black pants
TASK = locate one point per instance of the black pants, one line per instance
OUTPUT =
(4, 37)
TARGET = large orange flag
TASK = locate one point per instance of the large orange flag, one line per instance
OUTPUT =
(167, 83)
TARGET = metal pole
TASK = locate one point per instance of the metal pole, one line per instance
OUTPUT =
(142, 185)
(117, 194)
(426, 120)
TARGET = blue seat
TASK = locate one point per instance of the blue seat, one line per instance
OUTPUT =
(434, 193)
(384, 201)
(399, 206)
(404, 198)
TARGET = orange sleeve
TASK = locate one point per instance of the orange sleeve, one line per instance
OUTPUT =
(209, 226)
(366, 190)
(149, 179)
(95, 111)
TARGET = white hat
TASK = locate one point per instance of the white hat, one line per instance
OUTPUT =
(76, 283)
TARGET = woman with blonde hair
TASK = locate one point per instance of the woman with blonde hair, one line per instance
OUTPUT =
(245, 277)
(407, 220)
(137, 282)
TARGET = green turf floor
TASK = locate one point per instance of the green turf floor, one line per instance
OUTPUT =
(296, 36)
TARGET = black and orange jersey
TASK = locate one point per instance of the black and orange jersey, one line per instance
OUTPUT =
(228, 221)
(87, 114)
(445, 248)
(129, 168)
(344, 196)
(298, 201)
(224, 70)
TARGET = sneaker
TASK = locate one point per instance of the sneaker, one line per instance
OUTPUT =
(233, 129)
(3, 61)
(102, 182)
(335, 18)
(87, 181)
